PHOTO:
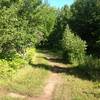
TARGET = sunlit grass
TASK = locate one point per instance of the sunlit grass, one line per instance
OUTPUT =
(27, 81)
(9, 98)
(74, 88)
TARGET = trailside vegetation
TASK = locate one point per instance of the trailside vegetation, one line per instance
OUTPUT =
(28, 25)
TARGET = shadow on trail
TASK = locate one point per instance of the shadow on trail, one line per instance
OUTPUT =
(76, 71)
(59, 66)
(55, 60)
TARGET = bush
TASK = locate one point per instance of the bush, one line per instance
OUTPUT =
(92, 63)
(30, 55)
(17, 63)
(91, 66)
(11, 65)
(73, 47)
(9, 55)
(5, 69)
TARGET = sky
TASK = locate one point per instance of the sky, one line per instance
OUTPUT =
(60, 3)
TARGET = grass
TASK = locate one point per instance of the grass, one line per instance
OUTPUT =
(30, 81)
(27, 81)
(9, 98)
(74, 88)
(76, 85)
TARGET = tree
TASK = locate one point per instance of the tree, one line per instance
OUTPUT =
(24, 23)
(16, 24)
(47, 20)
(61, 21)
(85, 21)
(73, 47)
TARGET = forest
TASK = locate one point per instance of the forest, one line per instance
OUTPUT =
(48, 53)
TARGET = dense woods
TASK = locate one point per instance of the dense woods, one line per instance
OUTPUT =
(24, 23)
(27, 25)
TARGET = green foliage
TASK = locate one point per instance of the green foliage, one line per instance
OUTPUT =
(12, 35)
(73, 47)
(91, 66)
(87, 25)
(48, 17)
(30, 55)
(63, 16)
(17, 63)
(24, 23)
(92, 63)
(9, 66)
(5, 69)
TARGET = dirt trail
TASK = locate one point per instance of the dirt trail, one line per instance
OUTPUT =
(53, 80)
(51, 83)
(49, 88)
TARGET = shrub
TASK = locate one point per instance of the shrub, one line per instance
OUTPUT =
(9, 55)
(92, 63)
(73, 47)
(30, 55)
(11, 65)
(91, 66)
(17, 63)
(5, 69)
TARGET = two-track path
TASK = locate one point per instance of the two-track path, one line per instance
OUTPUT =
(51, 83)
(53, 80)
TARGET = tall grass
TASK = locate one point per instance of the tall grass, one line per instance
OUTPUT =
(27, 81)
(91, 66)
